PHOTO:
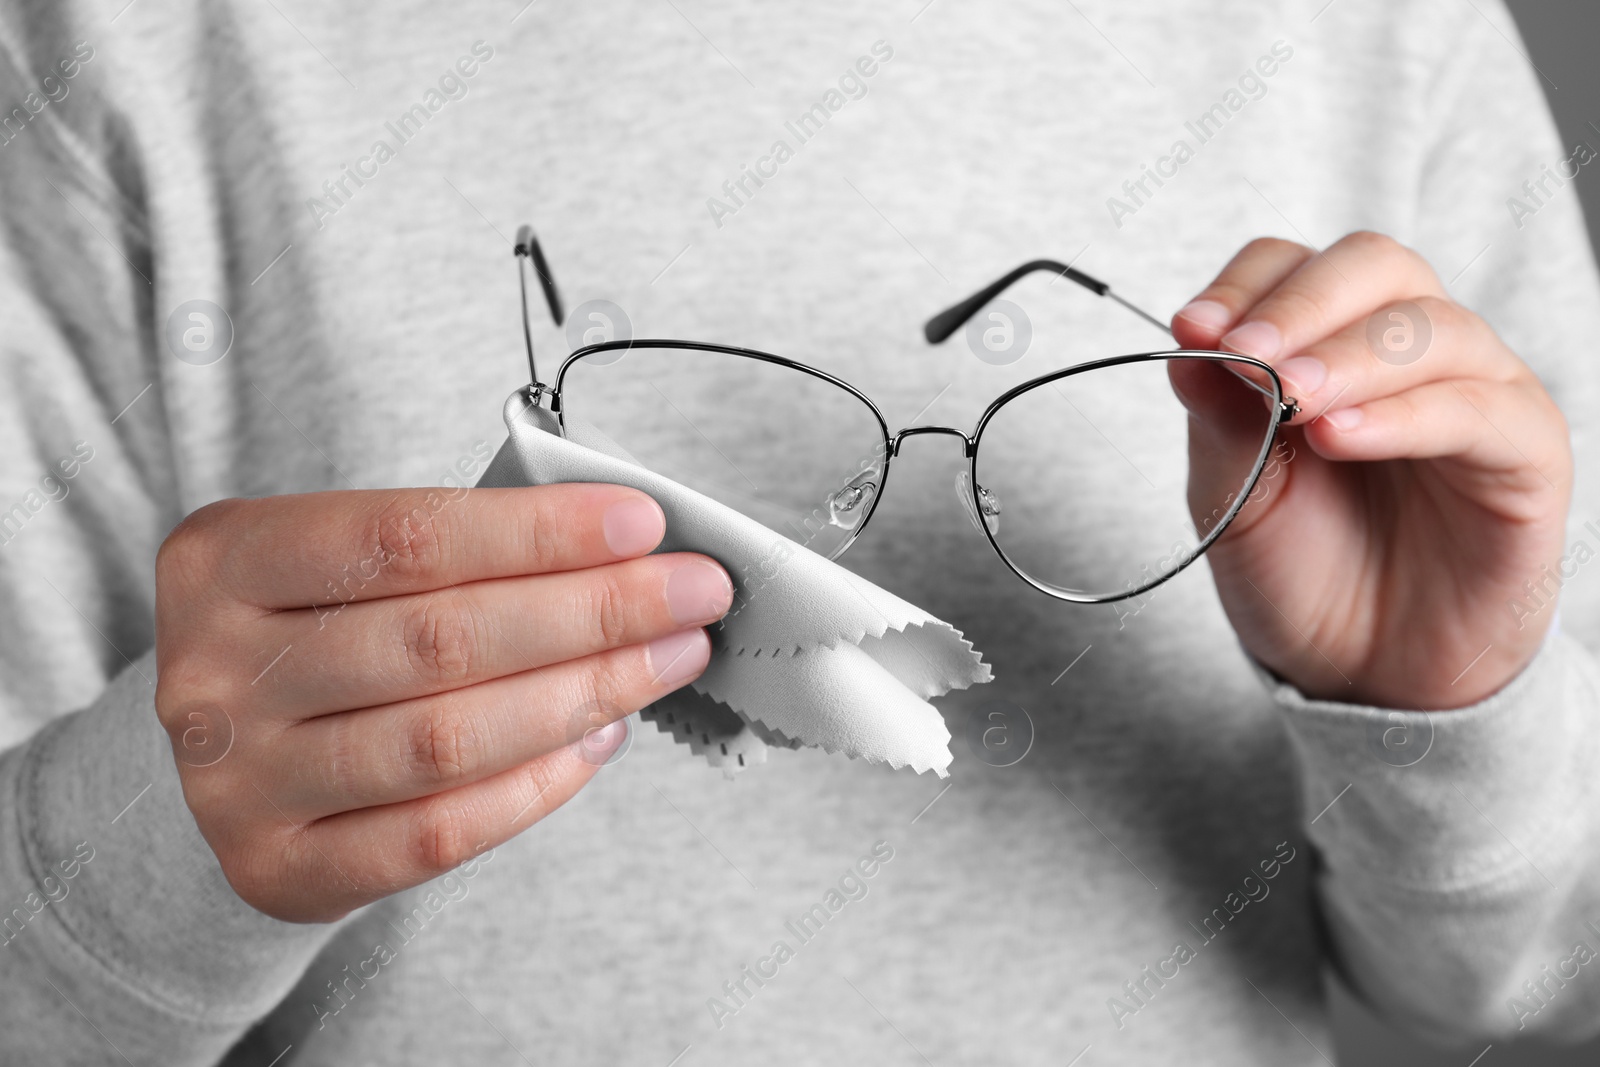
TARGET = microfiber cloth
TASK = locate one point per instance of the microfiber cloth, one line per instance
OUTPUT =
(812, 656)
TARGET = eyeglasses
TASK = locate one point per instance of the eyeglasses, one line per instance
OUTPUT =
(1093, 484)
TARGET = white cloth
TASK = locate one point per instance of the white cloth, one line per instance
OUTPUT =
(816, 656)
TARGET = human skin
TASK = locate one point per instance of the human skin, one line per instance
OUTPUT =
(1424, 492)
(409, 721)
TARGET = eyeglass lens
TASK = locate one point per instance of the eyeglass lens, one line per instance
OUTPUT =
(1104, 482)
(797, 453)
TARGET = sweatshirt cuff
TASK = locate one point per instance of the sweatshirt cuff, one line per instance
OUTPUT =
(1450, 800)
(137, 926)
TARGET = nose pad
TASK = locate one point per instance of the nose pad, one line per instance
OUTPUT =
(988, 504)
(851, 502)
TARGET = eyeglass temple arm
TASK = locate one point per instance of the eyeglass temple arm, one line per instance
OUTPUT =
(530, 256)
(953, 318)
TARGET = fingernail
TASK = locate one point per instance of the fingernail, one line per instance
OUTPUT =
(678, 657)
(1303, 375)
(633, 526)
(1345, 419)
(698, 592)
(1258, 339)
(1208, 315)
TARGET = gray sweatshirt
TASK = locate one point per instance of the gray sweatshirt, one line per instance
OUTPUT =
(1185, 847)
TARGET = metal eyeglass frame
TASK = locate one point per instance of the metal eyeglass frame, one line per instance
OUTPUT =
(937, 329)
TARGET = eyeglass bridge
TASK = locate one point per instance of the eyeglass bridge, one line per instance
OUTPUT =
(967, 443)
(988, 504)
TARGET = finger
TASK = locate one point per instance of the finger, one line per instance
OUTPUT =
(1227, 429)
(350, 859)
(1400, 347)
(1328, 292)
(1511, 433)
(1260, 267)
(380, 651)
(415, 748)
(336, 547)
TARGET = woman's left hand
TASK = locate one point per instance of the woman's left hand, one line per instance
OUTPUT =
(1431, 480)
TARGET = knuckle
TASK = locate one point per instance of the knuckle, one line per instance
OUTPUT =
(253, 876)
(407, 539)
(1555, 419)
(208, 799)
(538, 779)
(607, 609)
(442, 748)
(174, 559)
(442, 838)
(546, 532)
(1414, 270)
(176, 712)
(1231, 294)
(1274, 247)
(255, 861)
(196, 545)
(632, 680)
(440, 639)
(1559, 445)
(1443, 316)
(1438, 309)
(275, 869)
(1554, 449)
(1301, 304)
(339, 770)
(1239, 285)
(169, 698)
(1371, 242)
(599, 687)
(213, 517)
(188, 698)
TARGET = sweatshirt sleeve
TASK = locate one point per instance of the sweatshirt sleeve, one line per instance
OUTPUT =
(1459, 850)
(120, 940)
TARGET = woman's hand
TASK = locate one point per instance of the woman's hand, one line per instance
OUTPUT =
(1431, 480)
(366, 689)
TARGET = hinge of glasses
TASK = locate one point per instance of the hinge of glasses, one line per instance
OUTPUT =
(1288, 408)
(536, 392)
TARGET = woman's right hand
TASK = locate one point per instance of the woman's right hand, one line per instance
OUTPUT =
(366, 689)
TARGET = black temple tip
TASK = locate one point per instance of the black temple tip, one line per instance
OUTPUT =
(939, 327)
(952, 318)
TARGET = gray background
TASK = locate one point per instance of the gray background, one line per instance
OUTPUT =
(1562, 37)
